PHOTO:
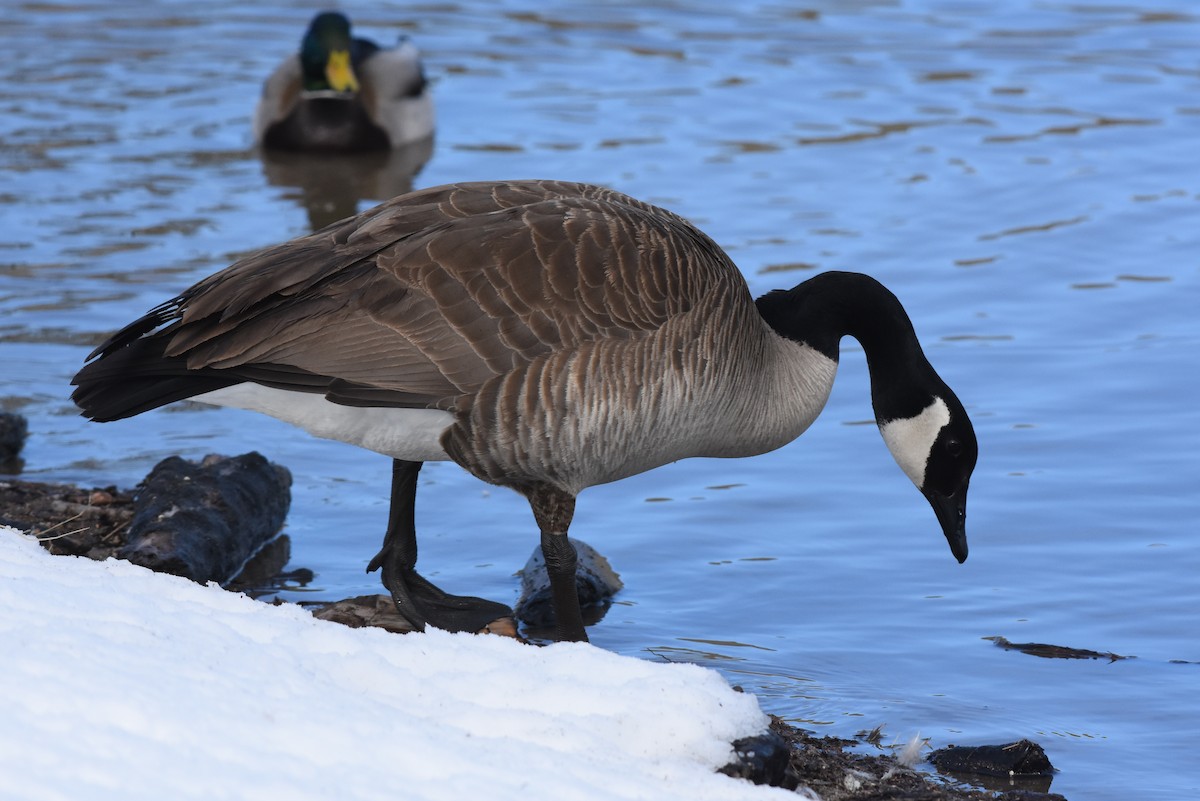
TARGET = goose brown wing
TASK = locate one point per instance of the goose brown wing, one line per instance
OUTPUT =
(427, 297)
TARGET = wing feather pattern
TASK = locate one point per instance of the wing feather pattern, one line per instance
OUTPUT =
(421, 300)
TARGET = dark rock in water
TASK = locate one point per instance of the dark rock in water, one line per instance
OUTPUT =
(204, 521)
(13, 431)
(595, 580)
(764, 759)
(1020, 771)
(1022, 758)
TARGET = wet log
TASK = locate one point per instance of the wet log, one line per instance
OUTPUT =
(595, 581)
(205, 520)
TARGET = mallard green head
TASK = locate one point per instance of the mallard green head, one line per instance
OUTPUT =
(325, 54)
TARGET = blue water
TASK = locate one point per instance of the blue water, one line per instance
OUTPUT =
(1024, 175)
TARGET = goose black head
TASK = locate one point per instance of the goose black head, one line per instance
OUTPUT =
(325, 54)
(921, 419)
(936, 448)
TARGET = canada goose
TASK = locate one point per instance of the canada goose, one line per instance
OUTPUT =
(343, 94)
(547, 336)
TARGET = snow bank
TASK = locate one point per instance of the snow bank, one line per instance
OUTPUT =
(123, 683)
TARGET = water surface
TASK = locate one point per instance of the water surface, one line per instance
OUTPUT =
(1023, 175)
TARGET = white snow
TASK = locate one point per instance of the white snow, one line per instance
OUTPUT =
(120, 683)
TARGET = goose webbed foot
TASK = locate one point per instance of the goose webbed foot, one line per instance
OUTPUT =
(422, 603)
(418, 600)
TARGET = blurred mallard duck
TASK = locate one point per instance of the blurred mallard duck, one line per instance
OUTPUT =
(341, 93)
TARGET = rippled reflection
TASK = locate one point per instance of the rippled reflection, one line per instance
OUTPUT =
(331, 186)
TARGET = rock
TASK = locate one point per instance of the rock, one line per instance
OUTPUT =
(13, 431)
(205, 521)
(595, 580)
(1022, 758)
(763, 759)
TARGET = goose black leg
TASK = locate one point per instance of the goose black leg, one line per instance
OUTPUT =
(553, 510)
(417, 600)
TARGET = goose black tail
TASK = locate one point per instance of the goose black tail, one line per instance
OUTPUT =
(138, 376)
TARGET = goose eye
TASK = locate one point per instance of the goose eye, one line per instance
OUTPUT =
(953, 447)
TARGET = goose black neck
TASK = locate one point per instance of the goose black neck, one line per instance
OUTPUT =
(829, 306)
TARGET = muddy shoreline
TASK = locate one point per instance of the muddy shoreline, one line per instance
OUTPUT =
(95, 522)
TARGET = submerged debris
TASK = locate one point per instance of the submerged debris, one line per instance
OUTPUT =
(1054, 651)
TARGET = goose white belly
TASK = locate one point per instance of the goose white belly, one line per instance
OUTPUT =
(411, 434)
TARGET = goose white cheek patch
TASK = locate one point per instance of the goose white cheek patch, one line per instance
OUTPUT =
(910, 439)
